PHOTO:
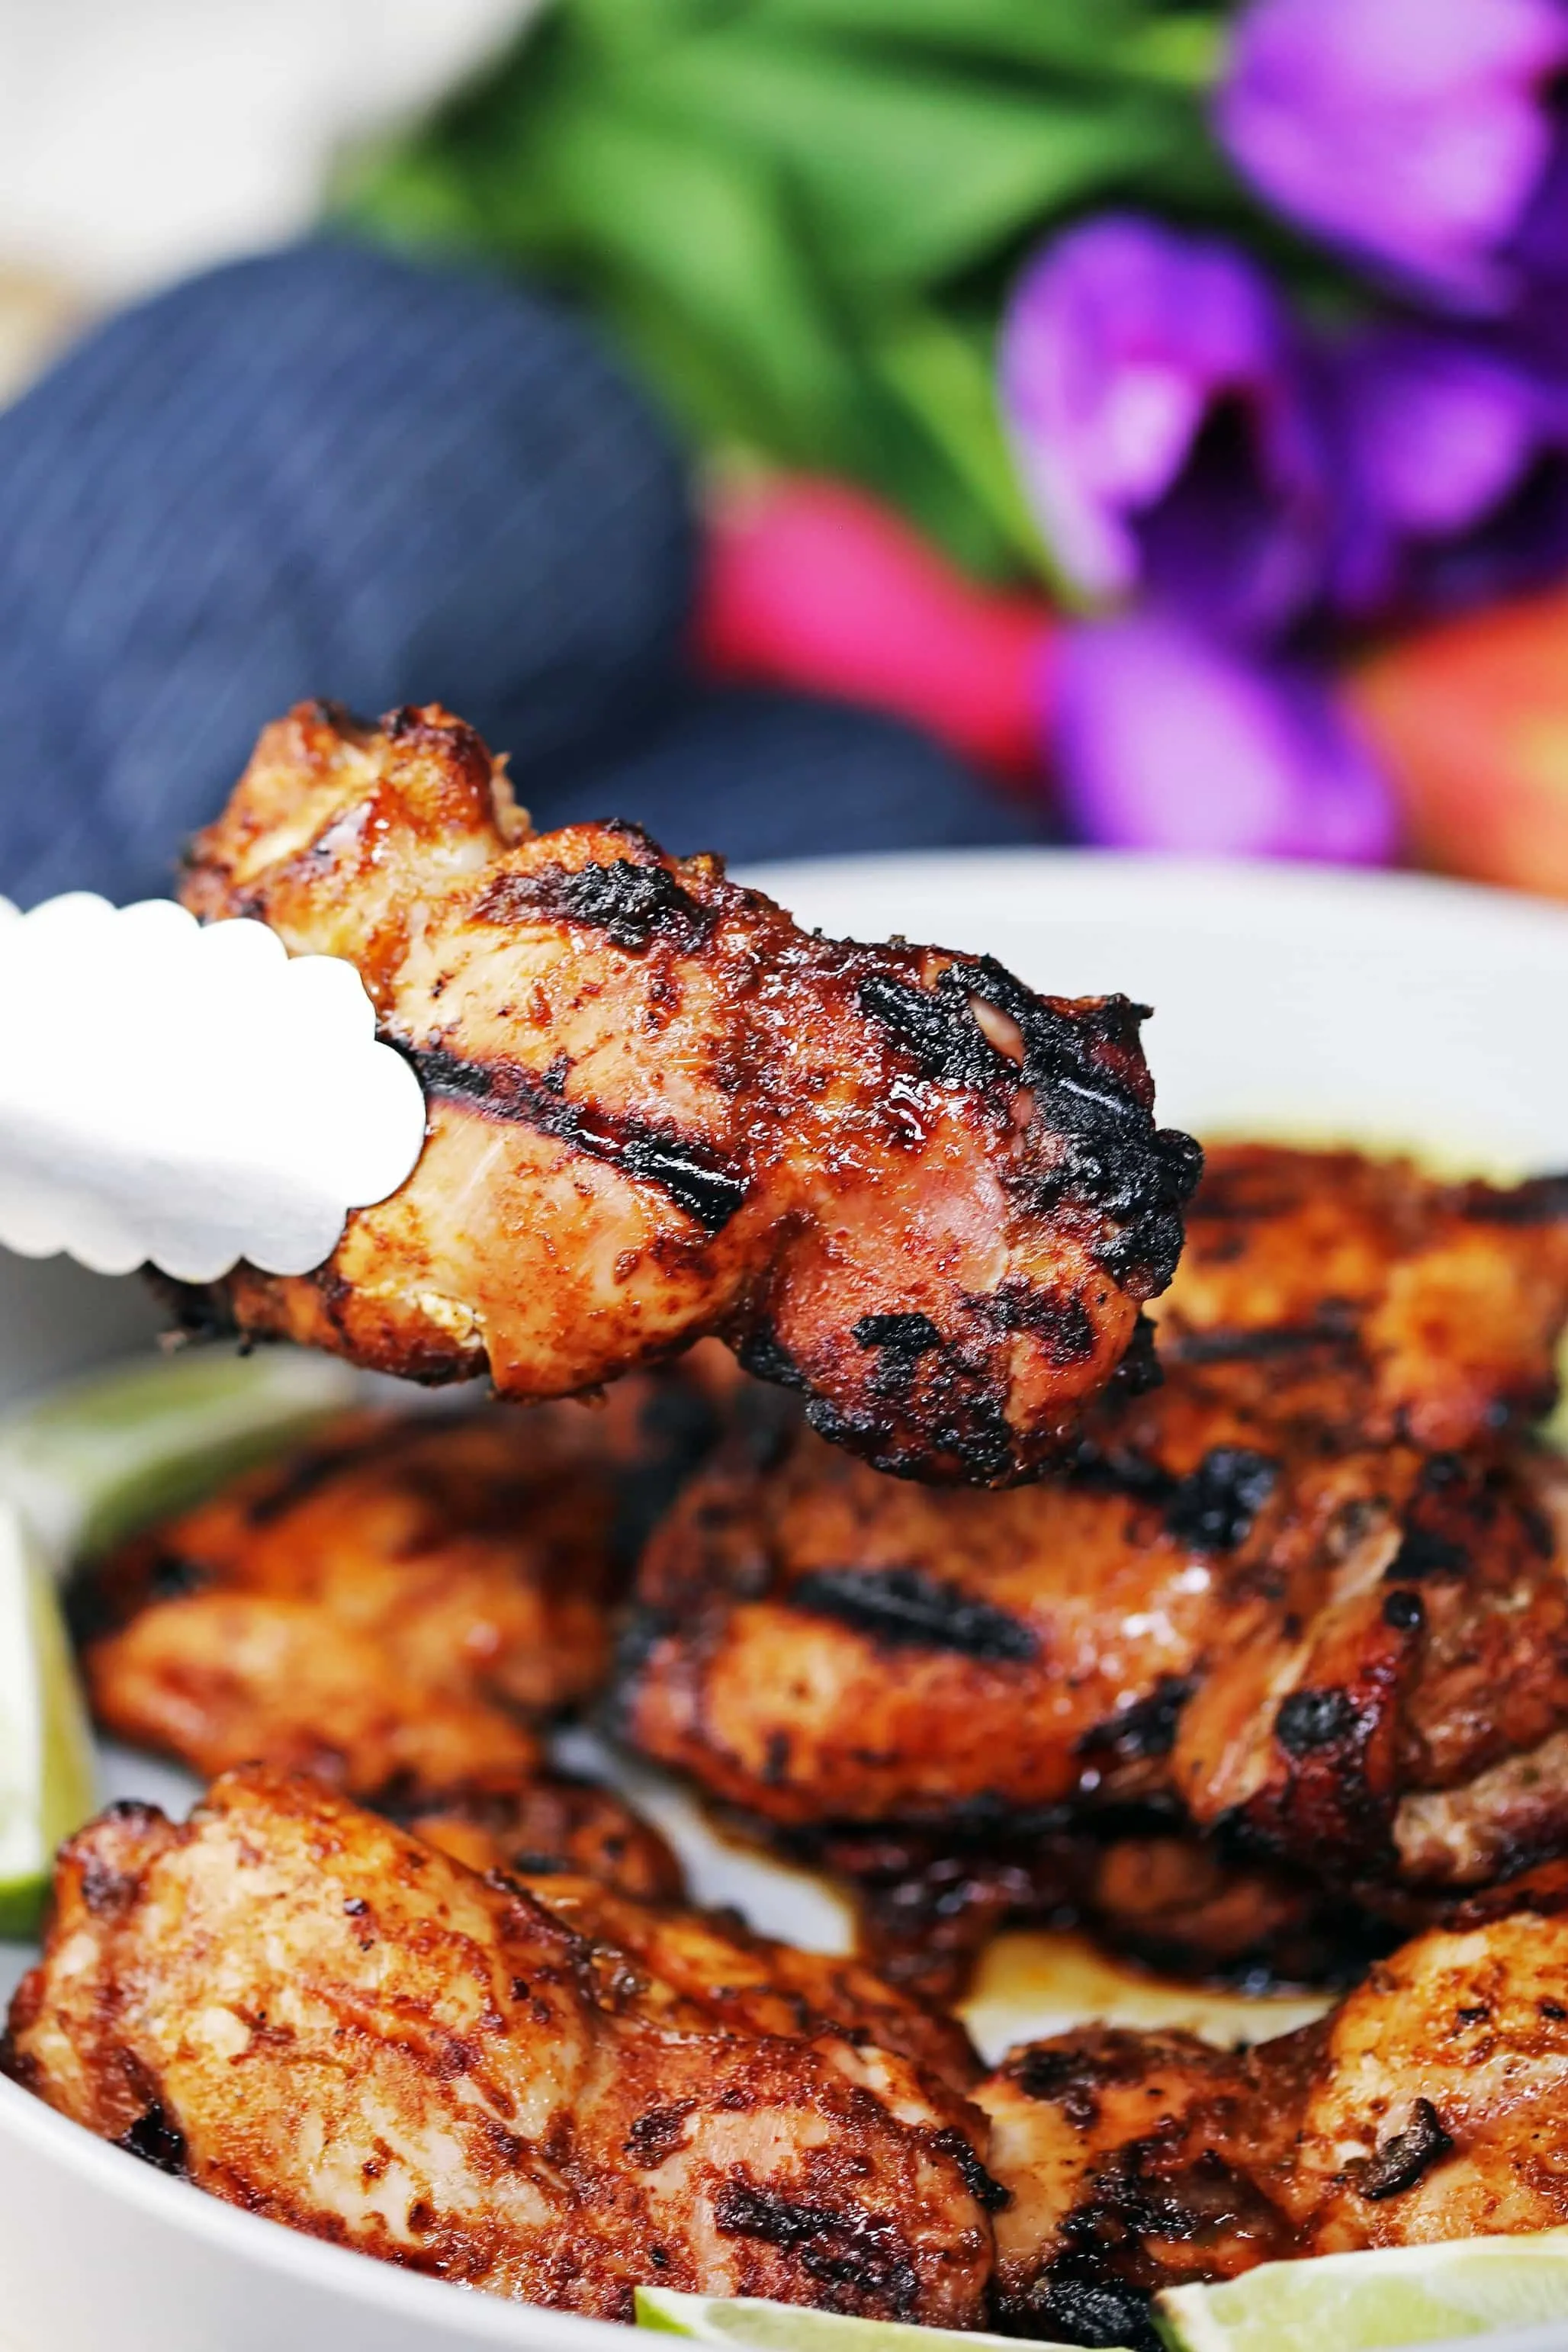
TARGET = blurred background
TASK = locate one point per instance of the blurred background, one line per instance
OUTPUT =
(802, 426)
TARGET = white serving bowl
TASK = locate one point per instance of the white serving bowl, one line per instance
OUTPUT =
(1388, 1010)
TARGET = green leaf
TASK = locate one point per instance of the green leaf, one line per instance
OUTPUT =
(697, 226)
(1077, 37)
(908, 177)
(944, 376)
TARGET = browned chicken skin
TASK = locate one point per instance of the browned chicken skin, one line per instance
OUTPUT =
(1245, 1671)
(392, 1607)
(478, 1553)
(891, 1177)
(318, 2017)
(1432, 2104)
(1362, 1296)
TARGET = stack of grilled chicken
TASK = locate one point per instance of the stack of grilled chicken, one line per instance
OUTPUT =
(1209, 1594)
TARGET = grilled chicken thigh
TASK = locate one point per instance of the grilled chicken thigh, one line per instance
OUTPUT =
(393, 1607)
(318, 2017)
(479, 1554)
(1369, 1299)
(892, 1177)
(1281, 1666)
(1432, 2104)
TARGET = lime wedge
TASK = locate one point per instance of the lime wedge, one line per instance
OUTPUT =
(94, 1460)
(793, 2327)
(47, 1782)
(1362, 2303)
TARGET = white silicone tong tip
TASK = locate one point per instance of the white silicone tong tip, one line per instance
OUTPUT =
(186, 1097)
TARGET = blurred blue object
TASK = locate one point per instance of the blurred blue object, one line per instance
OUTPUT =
(325, 471)
(758, 775)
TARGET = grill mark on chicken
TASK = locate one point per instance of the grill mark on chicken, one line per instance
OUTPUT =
(1331, 1329)
(903, 1607)
(632, 901)
(1146, 1729)
(843, 2247)
(697, 1178)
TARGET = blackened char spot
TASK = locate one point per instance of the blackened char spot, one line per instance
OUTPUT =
(1215, 1506)
(905, 1609)
(762, 1353)
(1068, 2310)
(1542, 1200)
(156, 2141)
(1060, 1320)
(901, 1341)
(696, 1177)
(939, 1029)
(1112, 1158)
(1403, 1611)
(903, 1335)
(854, 2253)
(1147, 1728)
(1045, 2073)
(1314, 1719)
(631, 902)
(1401, 2161)
(655, 2136)
(1423, 1553)
(987, 2192)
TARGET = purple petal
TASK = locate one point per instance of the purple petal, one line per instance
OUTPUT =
(1455, 460)
(1415, 132)
(1166, 739)
(1155, 394)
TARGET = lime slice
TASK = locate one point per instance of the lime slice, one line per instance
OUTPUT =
(47, 1782)
(1362, 2303)
(793, 2327)
(94, 1460)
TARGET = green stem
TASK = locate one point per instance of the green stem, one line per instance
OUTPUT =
(1181, 52)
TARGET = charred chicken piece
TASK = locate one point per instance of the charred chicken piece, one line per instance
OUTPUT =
(1210, 1642)
(1432, 2104)
(480, 1554)
(389, 1606)
(1369, 1299)
(316, 2016)
(891, 1177)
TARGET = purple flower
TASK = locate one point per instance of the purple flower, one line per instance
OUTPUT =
(1153, 386)
(1455, 472)
(1168, 740)
(1428, 136)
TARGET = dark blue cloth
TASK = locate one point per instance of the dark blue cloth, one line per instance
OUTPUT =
(324, 471)
(330, 471)
(758, 775)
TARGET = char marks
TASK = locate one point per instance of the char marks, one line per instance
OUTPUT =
(904, 1608)
(697, 1179)
(633, 902)
(1112, 1159)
